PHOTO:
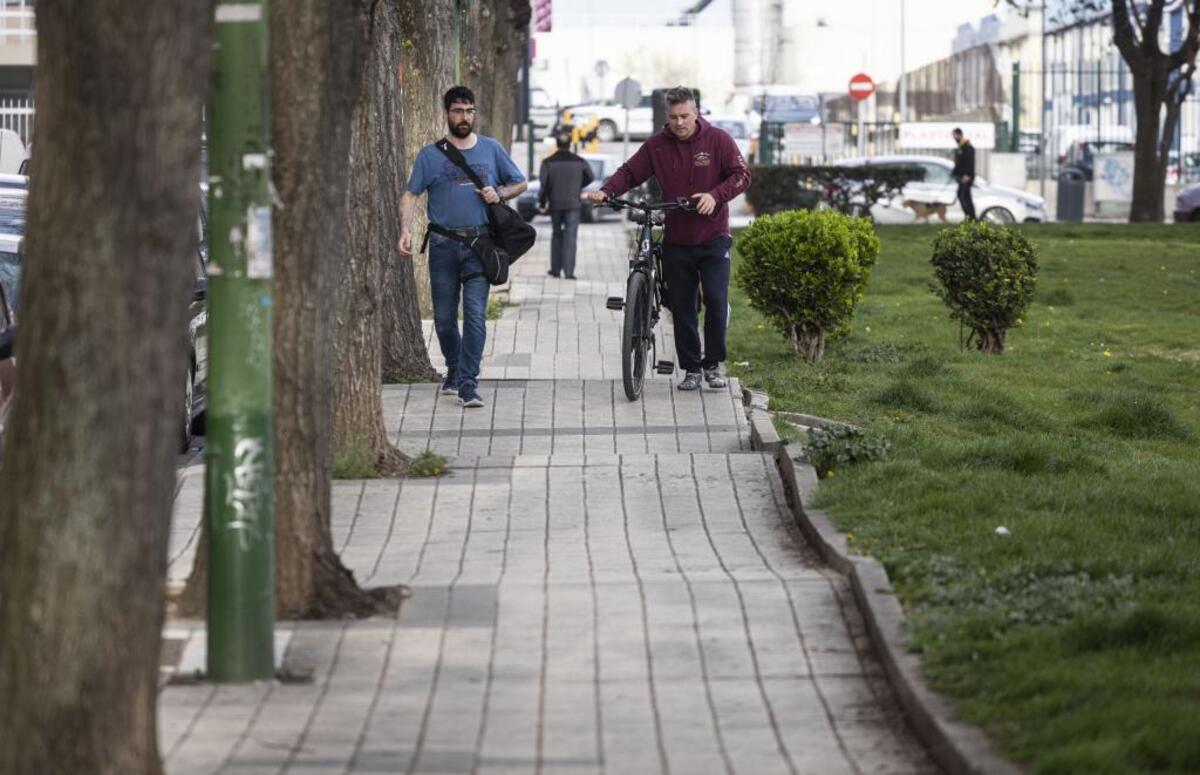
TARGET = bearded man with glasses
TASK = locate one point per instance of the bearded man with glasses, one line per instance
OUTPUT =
(456, 206)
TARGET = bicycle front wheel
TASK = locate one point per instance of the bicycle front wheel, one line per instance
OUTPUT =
(635, 334)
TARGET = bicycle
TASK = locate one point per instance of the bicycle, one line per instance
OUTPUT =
(645, 293)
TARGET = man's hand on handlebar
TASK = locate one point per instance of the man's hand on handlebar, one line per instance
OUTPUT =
(595, 197)
(705, 204)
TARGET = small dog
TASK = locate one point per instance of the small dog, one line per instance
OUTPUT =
(925, 209)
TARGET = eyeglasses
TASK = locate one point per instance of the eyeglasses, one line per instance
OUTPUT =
(461, 111)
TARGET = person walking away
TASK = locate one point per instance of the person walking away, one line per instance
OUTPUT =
(456, 206)
(693, 159)
(964, 172)
(563, 175)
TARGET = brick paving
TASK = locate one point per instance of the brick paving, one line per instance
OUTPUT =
(598, 586)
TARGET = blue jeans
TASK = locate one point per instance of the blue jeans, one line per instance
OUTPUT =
(449, 261)
(562, 243)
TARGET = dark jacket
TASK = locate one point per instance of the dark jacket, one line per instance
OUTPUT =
(708, 162)
(563, 176)
(964, 162)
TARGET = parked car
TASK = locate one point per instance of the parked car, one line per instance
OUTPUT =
(10, 267)
(1187, 204)
(1081, 154)
(14, 182)
(738, 128)
(994, 203)
(196, 385)
(603, 166)
(13, 152)
(611, 118)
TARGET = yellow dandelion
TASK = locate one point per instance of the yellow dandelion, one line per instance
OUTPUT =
(1107, 354)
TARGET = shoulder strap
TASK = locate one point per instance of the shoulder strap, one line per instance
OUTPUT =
(455, 155)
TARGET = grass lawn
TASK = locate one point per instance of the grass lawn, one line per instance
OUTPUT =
(1075, 640)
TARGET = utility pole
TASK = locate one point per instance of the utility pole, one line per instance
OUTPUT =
(1015, 142)
(1045, 102)
(239, 454)
(903, 78)
(527, 117)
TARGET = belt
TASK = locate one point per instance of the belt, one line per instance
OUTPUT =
(467, 231)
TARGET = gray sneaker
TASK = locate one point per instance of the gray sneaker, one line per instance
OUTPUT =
(468, 397)
(691, 381)
(714, 378)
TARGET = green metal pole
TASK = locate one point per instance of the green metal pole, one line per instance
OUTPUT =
(1016, 107)
(239, 454)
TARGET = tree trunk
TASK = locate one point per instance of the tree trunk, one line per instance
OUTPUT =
(492, 51)
(426, 68)
(809, 343)
(360, 444)
(319, 54)
(406, 89)
(1148, 170)
(89, 479)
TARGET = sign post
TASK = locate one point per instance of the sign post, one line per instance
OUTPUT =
(628, 95)
(861, 89)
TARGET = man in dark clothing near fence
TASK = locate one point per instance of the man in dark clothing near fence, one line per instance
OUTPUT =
(563, 176)
(964, 172)
(693, 159)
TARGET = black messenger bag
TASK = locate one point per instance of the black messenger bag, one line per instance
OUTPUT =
(509, 230)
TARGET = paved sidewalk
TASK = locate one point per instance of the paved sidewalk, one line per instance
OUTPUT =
(599, 586)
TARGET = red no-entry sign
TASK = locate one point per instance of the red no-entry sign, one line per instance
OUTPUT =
(861, 86)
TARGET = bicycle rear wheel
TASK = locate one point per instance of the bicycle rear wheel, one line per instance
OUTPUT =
(635, 334)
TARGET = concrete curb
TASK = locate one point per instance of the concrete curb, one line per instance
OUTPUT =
(956, 746)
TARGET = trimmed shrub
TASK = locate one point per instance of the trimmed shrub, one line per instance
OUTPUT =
(987, 276)
(805, 273)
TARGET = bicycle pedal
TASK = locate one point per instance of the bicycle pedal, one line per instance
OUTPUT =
(665, 367)
(615, 302)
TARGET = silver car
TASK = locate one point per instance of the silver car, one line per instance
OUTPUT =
(1187, 204)
(938, 193)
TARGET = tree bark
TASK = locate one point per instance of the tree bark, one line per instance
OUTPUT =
(1149, 169)
(89, 479)
(492, 51)
(413, 65)
(359, 438)
(318, 53)
(426, 69)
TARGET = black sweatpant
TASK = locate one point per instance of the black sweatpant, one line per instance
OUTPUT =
(964, 197)
(689, 268)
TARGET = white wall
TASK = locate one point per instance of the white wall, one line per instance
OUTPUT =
(700, 56)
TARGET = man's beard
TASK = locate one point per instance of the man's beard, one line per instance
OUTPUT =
(462, 129)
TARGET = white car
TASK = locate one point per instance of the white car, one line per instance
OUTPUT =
(993, 203)
(738, 127)
(610, 119)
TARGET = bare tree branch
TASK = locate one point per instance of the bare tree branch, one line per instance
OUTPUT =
(1186, 55)
(1126, 37)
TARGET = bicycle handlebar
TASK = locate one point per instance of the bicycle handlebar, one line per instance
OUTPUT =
(682, 203)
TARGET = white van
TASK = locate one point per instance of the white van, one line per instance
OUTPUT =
(12, 152)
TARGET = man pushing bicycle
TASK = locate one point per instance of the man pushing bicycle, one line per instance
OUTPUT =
(691, 159)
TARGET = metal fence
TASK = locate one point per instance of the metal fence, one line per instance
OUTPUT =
(16, 113)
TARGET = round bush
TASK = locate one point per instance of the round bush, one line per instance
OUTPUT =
(805, 272)
(987, 276)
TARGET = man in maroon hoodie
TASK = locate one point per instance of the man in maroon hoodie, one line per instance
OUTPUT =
(690, 158)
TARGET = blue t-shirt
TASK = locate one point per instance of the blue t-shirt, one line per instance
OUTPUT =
(453, 202)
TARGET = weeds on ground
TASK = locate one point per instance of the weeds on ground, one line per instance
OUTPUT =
(428, 463)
